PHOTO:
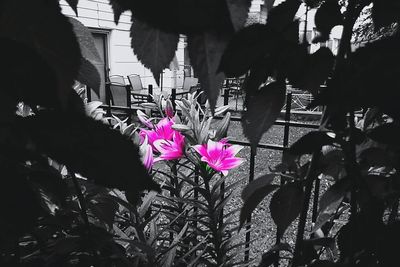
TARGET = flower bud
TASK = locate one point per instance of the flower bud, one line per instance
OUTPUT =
(143, 118)
(169, 110)
(223, 126)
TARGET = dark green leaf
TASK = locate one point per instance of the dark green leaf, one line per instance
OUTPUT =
(74, 5)
(253, 200)
(118, 7)
(49, 33)
(379, 186)
(322, 242)
(238, 10)
(24, 62)
(103, 208)
(376, 156)
(154, 48)
(88, 73)
(256, 184)
(327, 16)
(89, 148)
(263, 109)
(334, 195)
(386, 134)
(325, 263)
(19, 204)
(311, 142)
(205, 51)
(190, 16)
(286, 204)
(281, 16)
(247, 47)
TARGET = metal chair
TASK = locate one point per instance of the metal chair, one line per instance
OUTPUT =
(117, 79)
(138, 92)
(189, 86)
(118, 95)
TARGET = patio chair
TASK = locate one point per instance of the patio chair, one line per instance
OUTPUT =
(117, 79)
(137, 91)
(234, 85)
(189, 86)
(118, 94)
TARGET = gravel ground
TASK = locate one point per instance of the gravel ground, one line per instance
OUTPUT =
(263, 228)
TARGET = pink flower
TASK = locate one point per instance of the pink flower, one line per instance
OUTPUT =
(146, 153)
(170, 149)
(163, 130)
(220, 156)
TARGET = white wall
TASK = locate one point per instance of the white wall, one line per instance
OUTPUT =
(99, 15)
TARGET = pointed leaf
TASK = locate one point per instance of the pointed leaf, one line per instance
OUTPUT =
(253, 200)
(311, 142)
(205, 51)
(386, 134)
(334, 194)
(89, 75)
(90, 148)
(263, 109)
(385, 12)
(271, 256)
(55, 42)
(256, 184)
(154, 48)
(286, 204)
(281, 16)
(74, 5)
(247, 47)
(327, 16)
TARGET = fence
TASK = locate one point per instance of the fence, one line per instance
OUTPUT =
(286, 122)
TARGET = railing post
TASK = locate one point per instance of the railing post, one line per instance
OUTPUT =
(286, 131)
(253, 151)
(173, 97)
(150, 93)
(226, 96)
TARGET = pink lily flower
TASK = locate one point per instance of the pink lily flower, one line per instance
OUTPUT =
(163, 130)
(220, 156)
(146, 152)
(170, 149)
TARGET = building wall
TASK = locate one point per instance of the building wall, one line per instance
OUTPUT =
(98, 15)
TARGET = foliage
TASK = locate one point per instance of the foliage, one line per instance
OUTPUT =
(62, 223)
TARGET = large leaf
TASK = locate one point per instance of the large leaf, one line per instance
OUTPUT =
(154, 48)
(263, 109)
(205, 51)
(256, 184)
(251, 201)
(49, 33)
(327, 16)
(238, 10)
(189, 16)
(247, 47)
(19, 204)
(334, 195)
(22, 63)
(311, 142)
(90, 148)
(281, 16)
(88, 73)
(286, 204)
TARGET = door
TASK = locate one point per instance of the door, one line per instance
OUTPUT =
(100, 40)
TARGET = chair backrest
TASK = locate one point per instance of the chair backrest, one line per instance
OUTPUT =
(189, 82)
(118, 95)
(117, 79)
(135, 82)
